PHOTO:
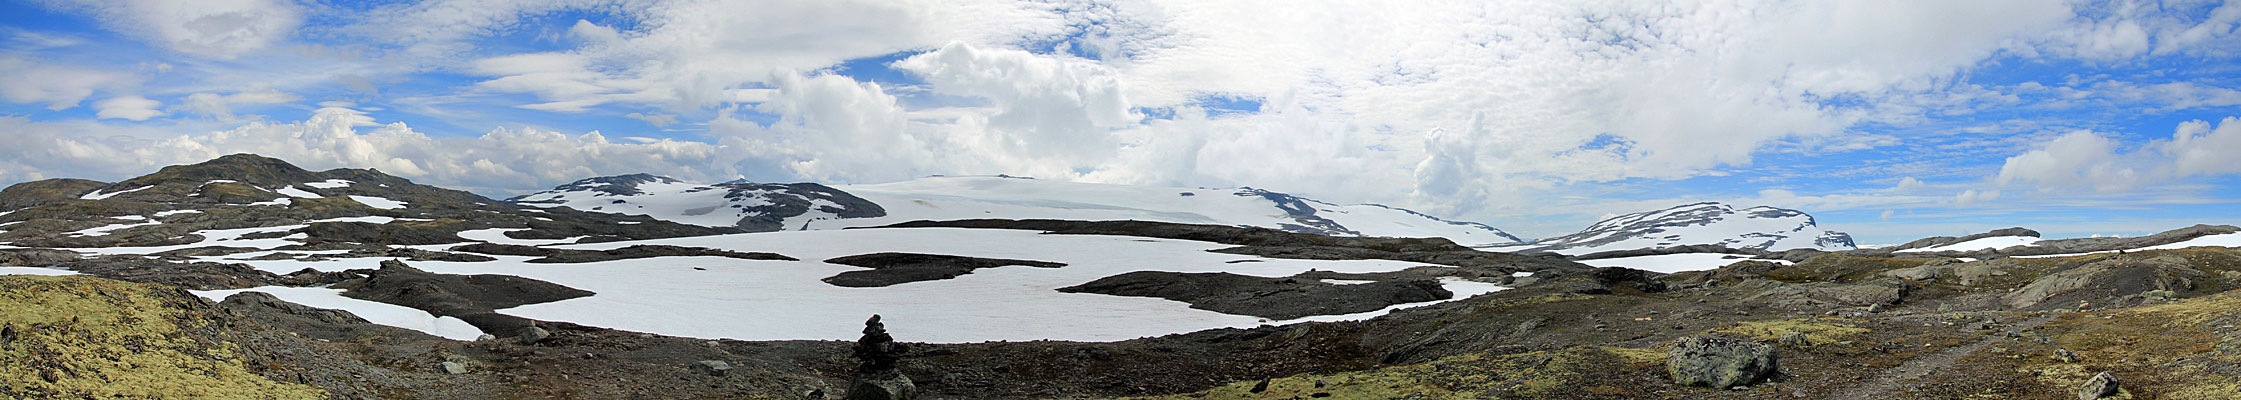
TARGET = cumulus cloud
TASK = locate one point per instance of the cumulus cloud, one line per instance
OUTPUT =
(2085, 158)
(2078, 158)
(217, 28)
(133, 107)
(1043, 105)
(2198, 149)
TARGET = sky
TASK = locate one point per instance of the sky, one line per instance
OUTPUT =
(1889, 119)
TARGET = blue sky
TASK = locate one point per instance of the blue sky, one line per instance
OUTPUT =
(1889, 119)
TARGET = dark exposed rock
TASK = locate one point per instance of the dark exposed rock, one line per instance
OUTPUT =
(1936, 241)
(191, 275)
(1273, 298)
(1719, 362)
(2105, 281)
(391, 233)
(897, 268)
(550, 255)
(1280, 244)
(260, 299)
(468, 297)
(36, 257)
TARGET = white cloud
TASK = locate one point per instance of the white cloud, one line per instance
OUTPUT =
(2197, 149)
(221, 106)
(656, 119)
(134, 108)
(501, 161)
(2078, 158)
(1044, 106)
(211, 28)
(1908, 184)
(60, 86)
(690, 55)
(2085, 158)
(1972, 197)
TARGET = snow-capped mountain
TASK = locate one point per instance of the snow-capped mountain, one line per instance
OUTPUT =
(1764, 228)
(808, 206)
(755, 207)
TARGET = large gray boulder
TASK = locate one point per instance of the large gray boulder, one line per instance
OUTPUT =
(1719, 362)
(893, 387)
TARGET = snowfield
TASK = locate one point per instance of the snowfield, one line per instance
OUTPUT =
(1987, 243)
(1671, 263)
(715, 297)
(979, 197)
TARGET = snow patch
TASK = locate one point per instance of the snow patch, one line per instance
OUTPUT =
(292, 191)
(372, 311)
(105, 230)
(1671, 263)
(330, 184)
(98, 195)
(176, 212)
(379, 202)
(36, 271)
(1988, 243)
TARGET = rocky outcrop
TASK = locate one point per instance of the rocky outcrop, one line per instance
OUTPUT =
(1719, 362)
(896, 268)
(1935, 241)
(2106, 281)
(1272, 298)
(568, 256)
(1273, 243)
(468, 297)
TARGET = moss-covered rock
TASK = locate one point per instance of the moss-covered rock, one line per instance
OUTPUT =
(81, 337)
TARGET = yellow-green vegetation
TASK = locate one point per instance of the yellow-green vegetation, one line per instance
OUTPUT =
(235, 192)
(1816, 330)
(1591, 370)
(82, 337)
(2181, 350)
(327, 204)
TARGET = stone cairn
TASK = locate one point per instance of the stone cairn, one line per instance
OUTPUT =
(876, 376)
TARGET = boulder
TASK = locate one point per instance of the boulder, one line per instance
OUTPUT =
(712, 367)
(2102, 386)
(896, 387)
(1719, 362)
(532, 335)
(453, 368)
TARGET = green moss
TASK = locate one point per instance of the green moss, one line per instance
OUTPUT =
(1816, 330)
(95, 338)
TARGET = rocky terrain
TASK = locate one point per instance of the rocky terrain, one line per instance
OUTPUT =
(284, 283)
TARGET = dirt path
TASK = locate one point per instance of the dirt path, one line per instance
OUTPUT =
(1889, 381)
